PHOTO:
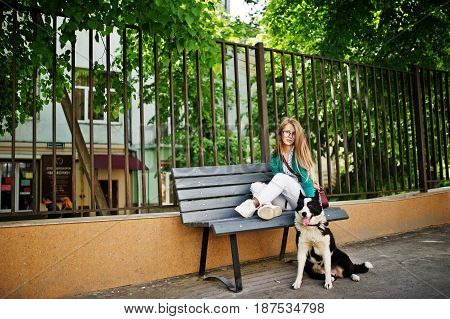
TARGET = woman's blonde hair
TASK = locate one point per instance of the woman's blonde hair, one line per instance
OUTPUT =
(301, 148)
(66, 203)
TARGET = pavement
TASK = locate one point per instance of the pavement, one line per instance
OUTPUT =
(409, 265)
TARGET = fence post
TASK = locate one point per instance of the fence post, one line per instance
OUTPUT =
(420, 137)
(263, 119)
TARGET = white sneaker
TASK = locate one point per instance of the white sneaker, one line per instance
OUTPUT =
(246, 209)
(269, 211)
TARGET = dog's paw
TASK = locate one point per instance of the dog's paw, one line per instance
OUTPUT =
(328, 285)
(296, 284)
(355, 277)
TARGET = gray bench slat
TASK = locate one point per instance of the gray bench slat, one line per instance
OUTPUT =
(203, 204)
(209, 223)
(208, 217)
(197, 217)
(253, 223)
(286, 219)
(196, 182)
(335, 213)
(183, 172)
(210, 192)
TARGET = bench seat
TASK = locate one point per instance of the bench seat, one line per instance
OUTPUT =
(238, 224)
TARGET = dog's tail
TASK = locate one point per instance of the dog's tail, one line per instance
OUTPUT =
(362, 268)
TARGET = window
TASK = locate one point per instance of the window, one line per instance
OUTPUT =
(6, 185)
(82, 99)
(23, 185)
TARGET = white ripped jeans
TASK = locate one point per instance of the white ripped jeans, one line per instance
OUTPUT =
(282, 190)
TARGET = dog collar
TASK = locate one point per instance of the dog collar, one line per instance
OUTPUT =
(320, 225)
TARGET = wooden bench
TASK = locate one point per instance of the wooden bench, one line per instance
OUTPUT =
(207, 197)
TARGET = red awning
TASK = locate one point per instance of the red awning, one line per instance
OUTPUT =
(117, 161)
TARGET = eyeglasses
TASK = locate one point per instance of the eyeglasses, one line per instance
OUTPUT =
(288, 133)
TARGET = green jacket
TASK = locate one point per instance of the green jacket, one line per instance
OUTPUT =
(276, 164)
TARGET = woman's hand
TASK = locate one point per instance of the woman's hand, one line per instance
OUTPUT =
(316, 186)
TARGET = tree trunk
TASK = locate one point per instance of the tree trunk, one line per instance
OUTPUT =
(83, 155)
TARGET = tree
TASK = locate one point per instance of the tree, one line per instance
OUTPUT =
(386, 33)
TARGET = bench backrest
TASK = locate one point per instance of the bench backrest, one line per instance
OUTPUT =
(211, 192)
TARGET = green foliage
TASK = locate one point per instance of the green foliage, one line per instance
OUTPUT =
(177, 26)
(188, 24)
(386, 33)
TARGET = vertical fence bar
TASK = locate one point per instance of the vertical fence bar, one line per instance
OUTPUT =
(438, 133)
(405, 131)
(249, 103)
(305, 101)
(448, 106)
(262, 103)
(172, 122)
(344, 127)
(425, 124)
(91, 115)
(377, 128)
(433, 172)
(186, 110)
(13, 112)
(199, 107)
(444, 125)
(413, 129)
(274, 89)
(361, 129)
(294, 84)
(391, 129)
(54, 113)
(213, 114)
(385, 143)
(238, 98)
(352, 120)
(141, 119)
(399, 131)
(34, 190)
(125, 116)
(108, 117)
(335, 129)
(369, 129)
(316, 118)
(158, 120)
(285, 95)
(325, 117)
(74, 176)
(419, 130)
(225, 105)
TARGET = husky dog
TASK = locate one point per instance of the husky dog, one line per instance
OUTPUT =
(316, 249)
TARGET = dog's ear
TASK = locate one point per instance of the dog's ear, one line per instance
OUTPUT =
(300, 202)
(316, 194)
(315, 205)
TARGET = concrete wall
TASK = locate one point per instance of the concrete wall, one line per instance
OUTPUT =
(45, 259)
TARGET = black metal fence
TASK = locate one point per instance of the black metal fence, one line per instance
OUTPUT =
(373, 130)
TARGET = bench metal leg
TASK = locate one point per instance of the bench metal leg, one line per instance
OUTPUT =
(202, 268)
(237, 286)
(283, 243)
(236, 263)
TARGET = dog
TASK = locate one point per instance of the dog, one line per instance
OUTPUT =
(316, 249)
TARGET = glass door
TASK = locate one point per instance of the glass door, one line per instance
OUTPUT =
(23, 185)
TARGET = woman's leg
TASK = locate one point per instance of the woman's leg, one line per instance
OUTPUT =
(257, 187)
(281, 184)
(281, 188)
